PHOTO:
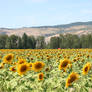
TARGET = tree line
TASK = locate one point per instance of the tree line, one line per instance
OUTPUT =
(30, 42)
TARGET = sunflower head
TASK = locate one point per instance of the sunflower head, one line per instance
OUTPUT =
(74, 59)
(23, 68)
(21, 61)
(13, 68)
(30, 65)
(8, 58)
(1, 66)
(86, 68)
(40, 76)
(47, 69)
(64, 63)
(32, 59)
(71, 78)
(38, 66)
(0, 56)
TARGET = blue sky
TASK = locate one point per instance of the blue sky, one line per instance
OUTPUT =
(28, 13)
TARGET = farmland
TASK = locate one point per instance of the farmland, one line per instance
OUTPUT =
(45, 70)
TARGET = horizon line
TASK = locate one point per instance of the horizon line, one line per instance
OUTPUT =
(45, 25)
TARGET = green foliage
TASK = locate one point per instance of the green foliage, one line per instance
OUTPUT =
(19, 44)
(24, 41)
(8, 43)
(54, 42)
(13, 40)
(30, 42)
(40, 42)
(3, 41)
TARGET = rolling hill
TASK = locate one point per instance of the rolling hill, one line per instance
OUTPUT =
(77, 28)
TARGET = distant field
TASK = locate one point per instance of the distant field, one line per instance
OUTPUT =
(46, 70)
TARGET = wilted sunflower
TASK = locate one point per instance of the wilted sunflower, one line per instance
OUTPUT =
(40, 76)
(38, 66)
(64, 63)
(8, 58)
(13, 68)
(86, 68)
(22, 68)
(71, 78)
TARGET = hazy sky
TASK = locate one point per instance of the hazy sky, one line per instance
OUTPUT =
(28, 13)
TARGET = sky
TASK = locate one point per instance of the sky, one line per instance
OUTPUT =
(29, 13)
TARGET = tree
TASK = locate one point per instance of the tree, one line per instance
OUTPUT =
(8, 43)
(3, 41)
(76, 41)
(40, 42)
(14, 41)
(29, 43)
(62, 41)
(19, 44)
(33, 42)
(54, 42)
(24, 41)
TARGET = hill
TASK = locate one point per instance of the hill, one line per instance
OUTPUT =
(77, 28)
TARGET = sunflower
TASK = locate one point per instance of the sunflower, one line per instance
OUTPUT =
(31, 58)
(1, 65)
(47, 69)
(40, 76)
(23, 68)
(13, 68)
(70, 65)
(86, 68)
(64, 63)
(0, 57)
(38, 66)
(71, 78)
(30, 65)
(74, 59)
(8, 58)
(21, 61)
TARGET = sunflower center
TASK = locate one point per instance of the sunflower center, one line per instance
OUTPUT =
(13, 69)
(47, 69)
(86, 68)
(73, 78)
(30, 65)
(39, 65)
(64, 64)
(40, 76)
(23, 68)
(9, 58)
(21, 62)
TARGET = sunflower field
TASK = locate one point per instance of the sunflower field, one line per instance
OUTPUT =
(46, 70)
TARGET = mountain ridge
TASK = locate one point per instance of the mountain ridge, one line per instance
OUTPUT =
(77, 28)
(55, 26)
